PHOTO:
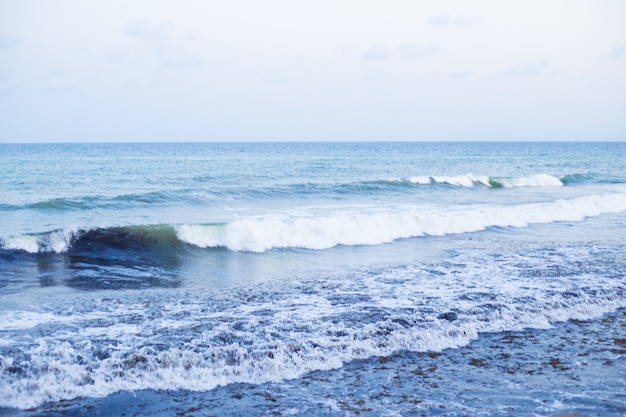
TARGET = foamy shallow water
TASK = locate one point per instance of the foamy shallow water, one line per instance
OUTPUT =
(170, 339)
(575, 367)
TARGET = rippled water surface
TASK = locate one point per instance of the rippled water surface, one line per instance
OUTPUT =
(313, 278)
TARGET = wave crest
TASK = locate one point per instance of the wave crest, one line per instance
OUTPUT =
(470, 180)
(91, 240)
(320, 230)
(326, 231)
(57, 241)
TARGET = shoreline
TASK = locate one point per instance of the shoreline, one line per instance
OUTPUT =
(576, 367)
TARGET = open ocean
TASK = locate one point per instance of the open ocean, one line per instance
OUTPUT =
(398, 279)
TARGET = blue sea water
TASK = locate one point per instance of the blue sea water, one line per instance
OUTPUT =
(194, 268)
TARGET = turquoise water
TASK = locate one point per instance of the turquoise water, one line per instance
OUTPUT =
(133, 267)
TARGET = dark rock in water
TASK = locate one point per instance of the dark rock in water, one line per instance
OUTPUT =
(620, 341)
(478, 363)
(16, 370)
(450, 316)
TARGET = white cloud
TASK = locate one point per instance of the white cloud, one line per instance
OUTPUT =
(145, 29)
(414, 50)
(447, 20)
(526, 69)
(619, 51)
(121, 55)
(460, 74)
(275, 79)
(379, 77)
(179, 59)
(375, 53)
(7, 41)
(404, 51)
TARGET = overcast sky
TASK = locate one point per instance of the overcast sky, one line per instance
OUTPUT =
(274, 70)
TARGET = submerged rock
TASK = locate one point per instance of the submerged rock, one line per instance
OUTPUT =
(450, 316)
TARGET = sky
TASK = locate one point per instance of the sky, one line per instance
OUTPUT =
(341, 70)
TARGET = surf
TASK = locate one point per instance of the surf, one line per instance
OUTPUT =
(314, 228)
(199, 340)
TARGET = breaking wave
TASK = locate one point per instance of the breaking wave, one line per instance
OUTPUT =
(469, 180)
(93, 240)
(321, 230)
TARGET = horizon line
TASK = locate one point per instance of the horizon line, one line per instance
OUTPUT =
(36, 142)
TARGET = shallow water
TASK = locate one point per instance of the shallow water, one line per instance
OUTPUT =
(575, 367)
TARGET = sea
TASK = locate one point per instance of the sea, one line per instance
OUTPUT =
(306, 279)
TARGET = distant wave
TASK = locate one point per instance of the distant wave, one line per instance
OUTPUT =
(466, 180)
(469, 180)
(99, 201)
(584, 177)
(313, 189)
(321, 231)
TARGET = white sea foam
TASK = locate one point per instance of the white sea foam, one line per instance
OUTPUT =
(539, 180)
(282, 331)
(203, 236)
(420, 180)
(27, 243)
(470, 180)
(462, 180)
(371, 227)
(20, 320)
(57, 242)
